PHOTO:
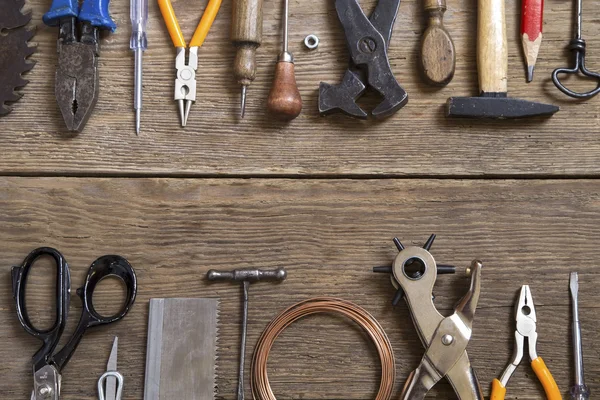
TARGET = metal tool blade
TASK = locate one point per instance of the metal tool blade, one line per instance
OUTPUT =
(111, 365)
(182, 349)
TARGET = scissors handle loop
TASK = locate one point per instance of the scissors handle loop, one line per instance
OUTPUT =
(51, 336)
(103, 267)
(577, 46)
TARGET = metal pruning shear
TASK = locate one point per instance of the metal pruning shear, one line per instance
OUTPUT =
(47, 365)
(445, 338)
(526, 329)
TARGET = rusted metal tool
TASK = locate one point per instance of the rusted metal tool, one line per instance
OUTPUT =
(14, 51)
(438, 56)
(577, 46)
(368, 40)
(246, 276)
(492, 68)
(77, 81)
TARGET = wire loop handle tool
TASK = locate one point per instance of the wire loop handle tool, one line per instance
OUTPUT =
(577, 46)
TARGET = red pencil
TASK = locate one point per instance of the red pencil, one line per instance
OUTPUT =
(532, 19)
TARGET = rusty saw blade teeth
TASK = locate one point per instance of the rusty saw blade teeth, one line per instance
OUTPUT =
(15, 51)
(12, 15)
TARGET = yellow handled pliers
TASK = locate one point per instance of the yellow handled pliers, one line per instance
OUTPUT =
(526, 328)
(185, 83)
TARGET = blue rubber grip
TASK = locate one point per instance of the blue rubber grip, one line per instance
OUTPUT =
(96, 13)
(61, 9)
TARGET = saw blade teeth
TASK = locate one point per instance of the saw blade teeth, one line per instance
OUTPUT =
(217, 335)
(4, 110)
(16, 63)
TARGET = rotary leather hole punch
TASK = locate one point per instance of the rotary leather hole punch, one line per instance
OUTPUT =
(445, 339)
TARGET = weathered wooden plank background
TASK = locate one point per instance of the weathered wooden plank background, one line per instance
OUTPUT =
(417, 141)
(328, 234)
(323, 199)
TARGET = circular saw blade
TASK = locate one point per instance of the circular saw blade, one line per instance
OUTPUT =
(14, 51)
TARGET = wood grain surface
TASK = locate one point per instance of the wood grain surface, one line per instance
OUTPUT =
(328, 234)
(417, 141)
(492, 47)
(321, 196)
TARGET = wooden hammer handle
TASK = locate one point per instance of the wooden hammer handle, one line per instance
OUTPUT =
(492, 56)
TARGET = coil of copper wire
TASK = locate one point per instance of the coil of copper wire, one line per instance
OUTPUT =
(261, 388)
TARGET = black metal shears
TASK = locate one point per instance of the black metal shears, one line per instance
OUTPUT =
(47, 365)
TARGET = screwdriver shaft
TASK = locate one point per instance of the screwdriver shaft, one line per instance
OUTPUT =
(579, 391)
(286, 18)
(137, 99)
(138, 12)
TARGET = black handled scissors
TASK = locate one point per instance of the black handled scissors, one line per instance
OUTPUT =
(47, 365)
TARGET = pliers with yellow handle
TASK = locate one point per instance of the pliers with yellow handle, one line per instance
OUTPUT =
(526, 328)
(185, 82)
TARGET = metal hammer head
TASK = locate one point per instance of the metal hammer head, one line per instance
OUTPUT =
(247, 274)
(497, 106)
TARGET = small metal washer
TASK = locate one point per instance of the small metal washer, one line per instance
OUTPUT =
(311, 42)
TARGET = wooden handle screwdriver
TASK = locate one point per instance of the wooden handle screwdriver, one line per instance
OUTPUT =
(284, 99)
(246, 36)
(438, 57)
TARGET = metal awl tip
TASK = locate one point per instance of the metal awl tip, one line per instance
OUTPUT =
(243, 101)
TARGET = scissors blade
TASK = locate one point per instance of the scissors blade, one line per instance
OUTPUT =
(111, 381)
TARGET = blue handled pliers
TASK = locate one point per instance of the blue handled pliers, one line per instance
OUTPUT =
(76, 86)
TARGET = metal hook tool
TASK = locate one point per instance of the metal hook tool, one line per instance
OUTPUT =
(577, 46)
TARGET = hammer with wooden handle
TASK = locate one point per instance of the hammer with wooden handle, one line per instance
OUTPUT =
(492, 68)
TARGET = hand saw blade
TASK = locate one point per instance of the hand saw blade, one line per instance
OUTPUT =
(182, 349)
(111, 365)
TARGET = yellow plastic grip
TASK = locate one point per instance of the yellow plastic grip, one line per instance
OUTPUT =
(205, 23)
(166, 9)
(545, 377)
(498, 391)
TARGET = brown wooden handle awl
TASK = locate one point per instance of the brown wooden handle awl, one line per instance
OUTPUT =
(284, 100)
(438, 56)
(492, 56)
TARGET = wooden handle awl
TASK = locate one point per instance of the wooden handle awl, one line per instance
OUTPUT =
(246, 35)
